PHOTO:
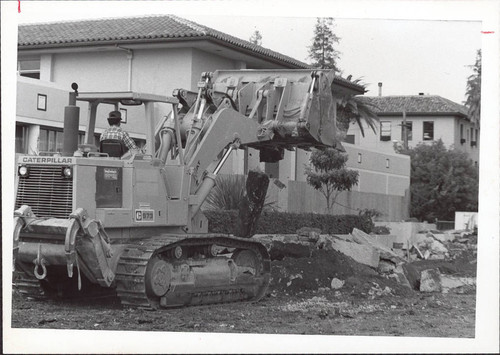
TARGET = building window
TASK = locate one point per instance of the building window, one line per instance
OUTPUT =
(387, 163)
(385, 131)
(350, 138)
(360, 158)
(21, 139)
(41, 104)
(462, 140)
(50, 140)
(29, 68)
(409, 130)
(428, 131)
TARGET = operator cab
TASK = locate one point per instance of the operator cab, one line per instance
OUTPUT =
(112, 147)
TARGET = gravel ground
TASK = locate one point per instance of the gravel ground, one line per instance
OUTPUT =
(325, 312)
(300, 301)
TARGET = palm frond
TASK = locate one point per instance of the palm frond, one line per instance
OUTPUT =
(353, 108)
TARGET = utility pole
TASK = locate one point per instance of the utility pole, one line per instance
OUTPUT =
(405, 131)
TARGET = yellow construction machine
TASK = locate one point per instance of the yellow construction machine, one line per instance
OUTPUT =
(95, 217)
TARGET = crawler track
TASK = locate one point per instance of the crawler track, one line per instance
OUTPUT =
(28, 285)
(131, 273)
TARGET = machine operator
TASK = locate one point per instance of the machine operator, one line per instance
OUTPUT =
(114, 131)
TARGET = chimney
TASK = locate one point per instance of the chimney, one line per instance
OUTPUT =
(380, 89)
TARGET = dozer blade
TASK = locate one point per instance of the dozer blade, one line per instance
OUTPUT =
(49, 250)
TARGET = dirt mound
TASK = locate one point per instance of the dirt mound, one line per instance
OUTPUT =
(294, 275)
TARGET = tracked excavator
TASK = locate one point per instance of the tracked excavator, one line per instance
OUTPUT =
(93, 217)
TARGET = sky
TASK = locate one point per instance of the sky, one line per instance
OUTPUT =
(408, 56)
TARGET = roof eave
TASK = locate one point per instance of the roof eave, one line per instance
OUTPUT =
(410, 113)
(288, 64)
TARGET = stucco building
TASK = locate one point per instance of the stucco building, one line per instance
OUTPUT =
(428, 118)
(157, 54)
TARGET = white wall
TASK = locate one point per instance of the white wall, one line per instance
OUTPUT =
(446, 128)
(207, 62)
(374, 176)
(92, 71)
(156, 71)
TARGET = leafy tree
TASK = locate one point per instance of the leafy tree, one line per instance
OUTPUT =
(329, 175)
(473, 91)
(322, 52)
(256, 38)
(442, 181)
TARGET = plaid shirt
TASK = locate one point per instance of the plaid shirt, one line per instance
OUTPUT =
(115, 132)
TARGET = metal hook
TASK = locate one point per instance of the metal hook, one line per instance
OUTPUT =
(44, 270)
(39, 262)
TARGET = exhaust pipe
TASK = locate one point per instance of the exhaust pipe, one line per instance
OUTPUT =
(71, 123)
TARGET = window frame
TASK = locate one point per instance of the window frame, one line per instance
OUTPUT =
(54, 139)
(33, 73)
(424, 131)
(21, 142)
(385, 137)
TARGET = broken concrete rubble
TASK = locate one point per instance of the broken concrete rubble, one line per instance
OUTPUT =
(386, 240)
(456, 254)
(401, 277)
(280, 246)
(377, 291)
(336, 283)
(449, 282)
(311, 233)
(363, 254)
(361, 237)
(442, 236)
(406, 231)
(430, 281)
(386, 267)
(431, 248)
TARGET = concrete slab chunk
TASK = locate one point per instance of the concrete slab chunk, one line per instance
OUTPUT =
(363, 254)
(430, 281)
(336, 283)
(449, 282)
(385, 253)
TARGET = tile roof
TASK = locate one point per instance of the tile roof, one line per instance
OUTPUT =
(145, 29)
(417, 104)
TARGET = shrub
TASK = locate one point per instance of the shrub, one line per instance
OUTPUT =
(228, 193)
(289, 223)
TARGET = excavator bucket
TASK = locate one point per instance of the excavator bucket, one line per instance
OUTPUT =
(292, 107)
